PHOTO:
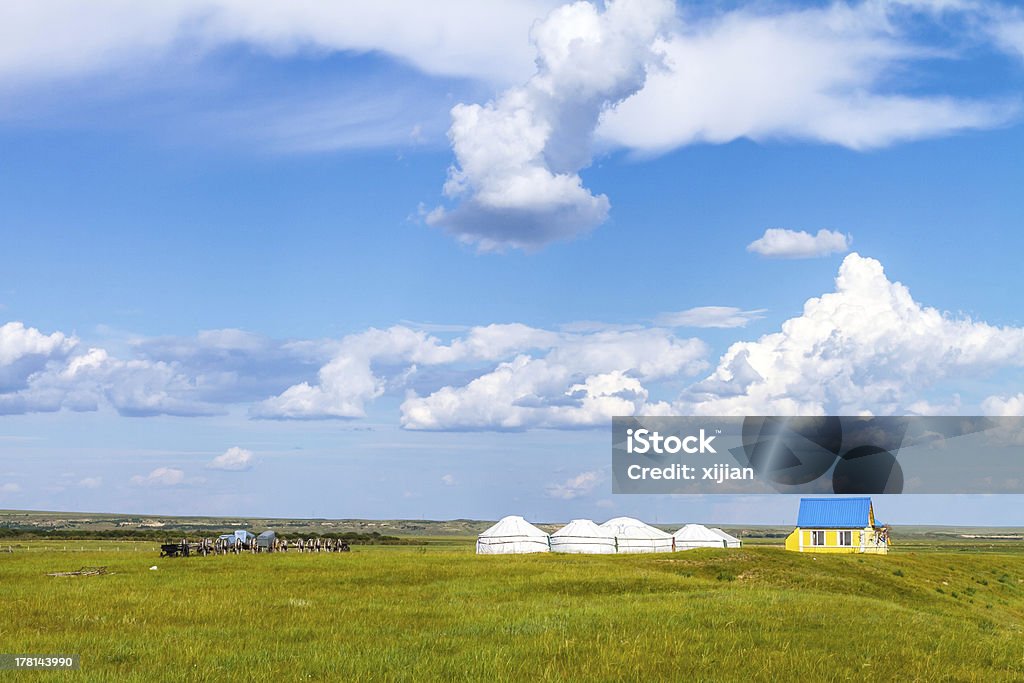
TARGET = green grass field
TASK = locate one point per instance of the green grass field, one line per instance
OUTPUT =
(443, 613)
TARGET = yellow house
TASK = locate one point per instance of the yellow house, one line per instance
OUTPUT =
(838, 525)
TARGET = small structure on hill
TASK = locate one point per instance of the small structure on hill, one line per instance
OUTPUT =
(512, 535)
(697, 536)
(634, 536)
(583, 536)
(838, 525)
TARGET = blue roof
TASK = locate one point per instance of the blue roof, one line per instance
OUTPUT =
(834, 513)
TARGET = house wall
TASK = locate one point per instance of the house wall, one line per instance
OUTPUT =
(800, 541)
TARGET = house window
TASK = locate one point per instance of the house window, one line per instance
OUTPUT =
(846, 538)
(817, 538)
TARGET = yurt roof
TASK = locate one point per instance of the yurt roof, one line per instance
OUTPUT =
(696, 532)
(724, 534)
(513, 525)
(627, 527)
(584, 528)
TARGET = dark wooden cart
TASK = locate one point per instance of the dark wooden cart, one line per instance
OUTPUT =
(174, 550)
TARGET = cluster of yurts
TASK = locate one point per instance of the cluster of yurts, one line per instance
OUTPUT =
(619, 535)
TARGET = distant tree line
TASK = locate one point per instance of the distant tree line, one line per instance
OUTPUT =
(173, 535)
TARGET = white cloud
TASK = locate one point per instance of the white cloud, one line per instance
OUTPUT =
(1007, 29)
(821, 74)
(448, 37)
(710, 316)
(868, 346)
(642, 75)
(25, 351)
(1004, 406)
(234, 459)
(449, 480)
(782, 243)
(83, 381)
(575, 487)
(9, 487)
(582, 382)
(134, 388)
(167, 376)
(348, 382)
(519, 156)
(161, 476)
(836, 74)
(91, 482)
(18, 341)
(542, 378)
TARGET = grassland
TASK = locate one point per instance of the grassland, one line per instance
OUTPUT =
(438, 612)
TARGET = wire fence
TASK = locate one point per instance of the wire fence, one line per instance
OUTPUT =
(78, 547)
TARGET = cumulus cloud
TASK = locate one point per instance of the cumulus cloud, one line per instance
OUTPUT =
(161, 476)
(136, 388)
(85, 380)
(582, 484)
(91, 482)
(1004, 406)
(26, 350)
(348, 382)
(540, 377)
(234, 459)
(531, 377)
(582, 382)
(519, 156)
(10, 487)
(710, 316)
(164, 376)
(868, 346)
(449, 480)
(794, 244)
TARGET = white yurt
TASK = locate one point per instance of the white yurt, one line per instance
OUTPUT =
(697, 536)
(633, 536)
(512, 535)
(730, 541)
(583, 536)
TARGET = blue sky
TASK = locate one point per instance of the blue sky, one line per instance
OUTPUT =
(393, 262)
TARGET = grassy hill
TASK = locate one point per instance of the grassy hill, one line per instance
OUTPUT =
(443, 613)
